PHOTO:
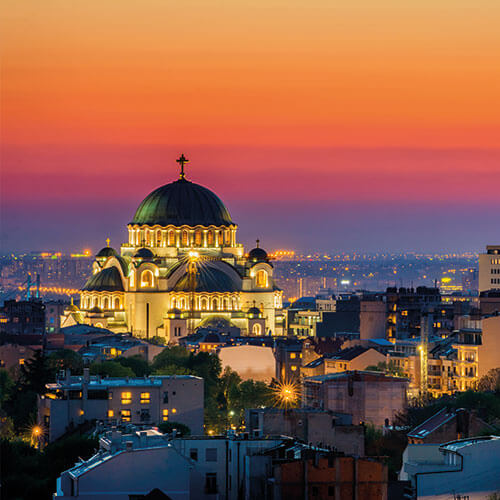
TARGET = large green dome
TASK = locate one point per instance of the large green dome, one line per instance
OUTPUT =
(182, 202)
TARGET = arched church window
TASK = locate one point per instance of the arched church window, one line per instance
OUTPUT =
(262, 279)
(148, 237)
(226, 304)
(171, 238)
(173, 303)
(181, 304)
(184, 238)
(197, 238)
(210, 238)
(117, 303)
(147, 278)
(227, 237)
(204, 304)
(105, 303)
(215, 304)
(158, 238)
(257, 329)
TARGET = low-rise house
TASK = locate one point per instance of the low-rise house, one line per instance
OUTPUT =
(352, 358)
(317, 427)
(71, 401)
(466, 469)
(448, 424)
(13, 356)
(368, 396)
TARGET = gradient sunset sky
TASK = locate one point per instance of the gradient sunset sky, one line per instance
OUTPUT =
(323, 125)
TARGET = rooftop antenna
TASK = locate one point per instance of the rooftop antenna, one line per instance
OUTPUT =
(182, 160)
(37, 295)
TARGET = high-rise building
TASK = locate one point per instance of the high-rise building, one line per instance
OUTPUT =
(489, 268)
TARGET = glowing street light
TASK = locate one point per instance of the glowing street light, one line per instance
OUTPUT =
(286, 394)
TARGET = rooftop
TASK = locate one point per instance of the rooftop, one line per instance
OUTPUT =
(358, 375)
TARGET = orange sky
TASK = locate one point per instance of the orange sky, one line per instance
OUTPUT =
(319, 72)
(294, 102)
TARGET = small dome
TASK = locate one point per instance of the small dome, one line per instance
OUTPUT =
(144, 253)
(73, 308)
(254, 311)
(106, 252)
(174, 311)
(96, 310)
(107, 280)
(257, 255)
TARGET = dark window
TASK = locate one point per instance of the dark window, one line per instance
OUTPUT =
(331, 491)
(193, 454)
(98, 394)
(211, 483)
(145, 416)
(75, 394)
(315, 491)
(165, 398)
(211, 454)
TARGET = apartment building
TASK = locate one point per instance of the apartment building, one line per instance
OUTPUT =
(73, 400)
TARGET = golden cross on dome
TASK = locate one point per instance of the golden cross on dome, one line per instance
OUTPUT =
(182, 161)
(107, 241)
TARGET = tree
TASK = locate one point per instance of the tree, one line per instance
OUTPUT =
(168, 427)
(36, 372)
(111, 369)
(6, 385)
(490, 381)
(66, 359)
(137, 364)
(175, 355)
(390, 368)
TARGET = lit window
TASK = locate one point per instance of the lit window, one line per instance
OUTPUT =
(126, 398)
(21, 361)
(111, 413)
(293, 368)
(126, 415)
(147, 279)
(145, 397)
(293, 355)
(261, 279)
(165, 415)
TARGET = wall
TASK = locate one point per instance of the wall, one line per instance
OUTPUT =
(372, 319)
(250, 361)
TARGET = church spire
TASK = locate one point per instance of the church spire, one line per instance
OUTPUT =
(182, 160)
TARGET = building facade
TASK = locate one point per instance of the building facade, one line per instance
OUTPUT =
(489, 268)
(368, 396)
(71, 401)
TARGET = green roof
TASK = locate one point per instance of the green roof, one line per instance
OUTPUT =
(107, 280)
(182, 203)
